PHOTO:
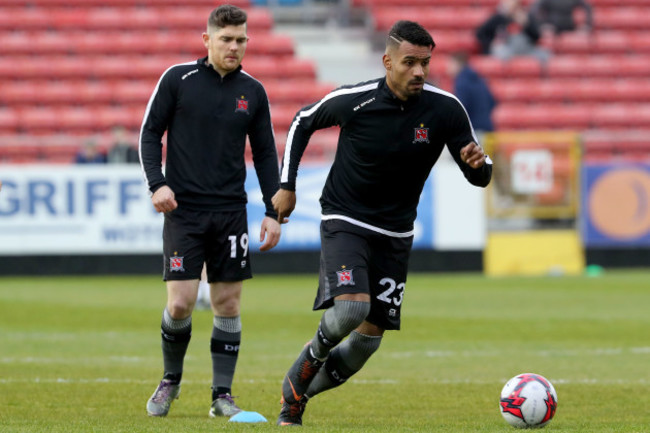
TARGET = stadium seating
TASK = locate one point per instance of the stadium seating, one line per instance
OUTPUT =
(596, 90)
(70, 69)
(592, 81)
(93, 18)
(138, 42)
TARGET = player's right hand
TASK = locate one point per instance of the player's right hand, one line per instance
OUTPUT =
(164, 199)
(284, 202)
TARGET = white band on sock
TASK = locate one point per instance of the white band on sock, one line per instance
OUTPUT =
(227, 324)
(175, 324)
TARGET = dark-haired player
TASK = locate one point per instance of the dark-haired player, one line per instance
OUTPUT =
(393, 130)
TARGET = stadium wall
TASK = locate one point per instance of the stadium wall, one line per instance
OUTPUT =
(297, 262)
(99, 220)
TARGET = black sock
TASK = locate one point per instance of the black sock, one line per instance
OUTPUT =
(224, 349)
(175, 336)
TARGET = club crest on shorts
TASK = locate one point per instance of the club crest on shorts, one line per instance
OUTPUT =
(344, 277)
(176, 264)
(241, 105)
(421, 134)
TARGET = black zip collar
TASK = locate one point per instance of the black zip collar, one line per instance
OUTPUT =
(203, 61)
(390, 97)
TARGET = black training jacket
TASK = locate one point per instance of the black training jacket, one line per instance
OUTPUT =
(207, 119)
(386, 150)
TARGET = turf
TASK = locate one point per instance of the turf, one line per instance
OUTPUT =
(82, 354)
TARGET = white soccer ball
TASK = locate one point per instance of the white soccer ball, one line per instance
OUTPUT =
(528, 400)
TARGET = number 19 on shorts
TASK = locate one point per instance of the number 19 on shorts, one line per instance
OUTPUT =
(240, 244)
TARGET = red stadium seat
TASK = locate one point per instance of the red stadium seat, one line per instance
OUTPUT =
(622, 116)
(434, 19)
(129, 92)
(598, 43)
(38, 120)
(19, 153)
(9, 122)
(488, 66)
(264, 68)
(19, 92)
(594, 66)
(623, 18)
(123, 3)
(425, 3)
(25, 18)
(573, 43)
(523, 67)
(634, 66)
(543, 116)
(107, 117)
(518, 67)
(270, 44)
(282, 115)
(78, 119)
(640, 42)
(300, 92)
(532, 90)
(611, 3)
(612, 42)
(449, 41)
(597, 90)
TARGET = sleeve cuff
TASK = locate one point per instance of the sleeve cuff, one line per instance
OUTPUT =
(289, 186)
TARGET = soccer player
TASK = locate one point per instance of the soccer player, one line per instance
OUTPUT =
(392, 131)
(208, 107)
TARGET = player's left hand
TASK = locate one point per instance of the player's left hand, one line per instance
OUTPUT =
(473, 155)
(270, 233)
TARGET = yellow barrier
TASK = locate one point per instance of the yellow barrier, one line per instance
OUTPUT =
(540, 252)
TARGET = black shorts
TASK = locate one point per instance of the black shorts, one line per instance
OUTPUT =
(359, 260)
(220, 239)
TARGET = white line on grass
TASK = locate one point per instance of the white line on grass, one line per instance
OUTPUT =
(107, 380)
(604, 351)
(544, 353)
(78, 360)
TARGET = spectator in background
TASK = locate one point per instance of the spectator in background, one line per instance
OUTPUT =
(122, 150)
(473, 91)
(511, 31)
(90, 153)
(560, 15)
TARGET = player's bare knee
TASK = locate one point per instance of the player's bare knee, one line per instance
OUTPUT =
(361, 297)
(367, 328)
(180, 308)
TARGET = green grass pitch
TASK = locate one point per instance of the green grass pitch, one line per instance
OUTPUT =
(82, 354)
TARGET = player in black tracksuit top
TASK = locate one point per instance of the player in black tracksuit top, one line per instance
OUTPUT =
(207, 118)
(392, 132)
(208, 107)
(385, 151)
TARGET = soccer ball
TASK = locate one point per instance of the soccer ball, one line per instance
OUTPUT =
(528, 400)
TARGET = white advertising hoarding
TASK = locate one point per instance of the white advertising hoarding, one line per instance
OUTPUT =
(106, 209)
(52, 209)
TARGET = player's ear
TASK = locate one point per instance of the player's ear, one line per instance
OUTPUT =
(206, 40)
(388, 64)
